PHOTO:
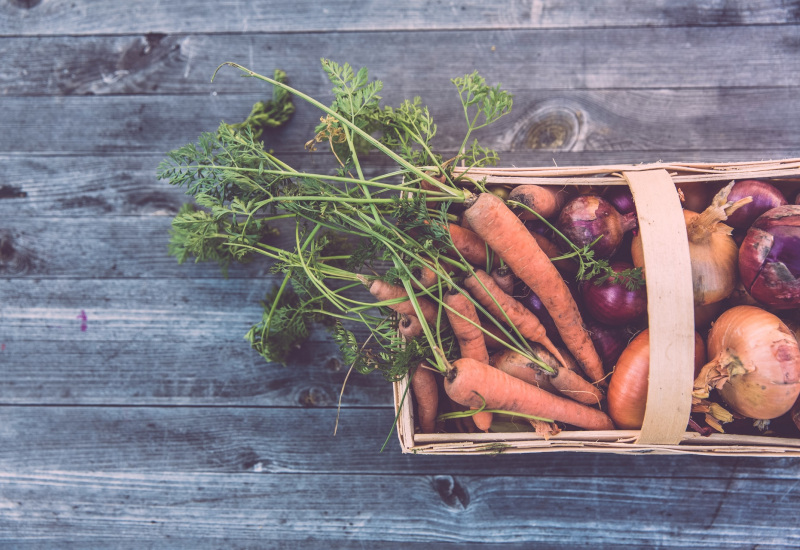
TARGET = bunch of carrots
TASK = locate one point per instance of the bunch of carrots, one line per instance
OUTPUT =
(441, 252)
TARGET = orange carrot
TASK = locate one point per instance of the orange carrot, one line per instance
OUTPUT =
(425, 275)
(566, 266)
(545, 200)
(565, 381)
(387, 291)
(486, 292)
(470, 382)
(463, 318)
(519, 366)
(470, 245)
(426, 396)
(470, 337)
(409, 326)
(510, 239)
(494, 342)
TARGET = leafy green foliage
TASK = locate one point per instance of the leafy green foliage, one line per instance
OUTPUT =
(284, 326)
(346, 224)
(272, 113)
(224, 235)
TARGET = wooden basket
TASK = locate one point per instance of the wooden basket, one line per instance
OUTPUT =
(670, 317)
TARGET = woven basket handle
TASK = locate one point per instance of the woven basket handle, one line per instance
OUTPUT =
(670, 305)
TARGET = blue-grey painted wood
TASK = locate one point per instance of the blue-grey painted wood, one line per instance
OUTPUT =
(132, 413)
(35, 17)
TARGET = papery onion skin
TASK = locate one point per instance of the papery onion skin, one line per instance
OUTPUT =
(764, 356)
(714, 264)
(769, 258)
(765, 197)
(587, 217)
(611, 302)
(627, 389)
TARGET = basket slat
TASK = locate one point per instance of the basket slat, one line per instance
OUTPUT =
(670, 306)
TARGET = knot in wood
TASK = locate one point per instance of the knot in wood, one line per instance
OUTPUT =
(550, 127)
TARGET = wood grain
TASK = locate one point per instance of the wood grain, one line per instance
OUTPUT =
(662, 120)
(523, 60)
(34, 17)
(251, 508)
(113, 185)
(289, 440)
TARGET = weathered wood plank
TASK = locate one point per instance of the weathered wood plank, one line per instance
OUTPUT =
(205, 370)
(127, 246)
(120, 185)
(609, 120)
(301, 440)
(33, 17)
(553, 512)
(521, 60)
(163, 341)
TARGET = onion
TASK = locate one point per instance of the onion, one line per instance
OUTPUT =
(755, 363)
(697, 195)
(531, 301)
(612, 302)
(765, 197)
(587, 217)
(712, 250)
(608, 341)
(620, 197)
(627, 389)
(705, 315)
(769, 258)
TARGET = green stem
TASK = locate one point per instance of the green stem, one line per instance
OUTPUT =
(368, 138)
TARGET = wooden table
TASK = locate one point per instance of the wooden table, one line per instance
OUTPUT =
(132, 412)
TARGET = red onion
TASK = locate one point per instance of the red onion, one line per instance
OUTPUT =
(612, 302)
(765, 197)
(620, 197)
(531, 301)
(769, 258)
(608, 341)
(587, 217)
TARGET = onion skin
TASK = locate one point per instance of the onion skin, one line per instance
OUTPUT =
(608, 341)
(611, 303)
(765, 197)
(627, 389)
(621, 198)
(755, 363)
(769, 258)
(587, 217)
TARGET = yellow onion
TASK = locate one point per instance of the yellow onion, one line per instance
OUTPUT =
(627, 389)
(754, 363)
(713, 252)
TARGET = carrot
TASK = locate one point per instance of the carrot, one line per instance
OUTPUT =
(462, 314)
(565, 381)
(384, 291)
(471, 382)
(409, 326)
(470, 245)
(463, 318)
(485, 290)
(497, 340)
(425, 275)
(509, 238)
(566, 266)
(519, 366)
(504, 278)
(545, 200)
(426, 396)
